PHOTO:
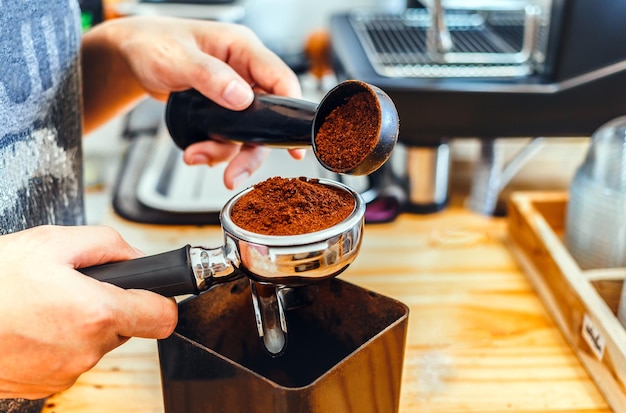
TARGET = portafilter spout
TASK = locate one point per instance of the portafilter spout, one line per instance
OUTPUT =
(286, 123)
(276, 266)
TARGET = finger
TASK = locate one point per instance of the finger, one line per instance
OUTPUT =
(248, 160)
(274, 76)
(297, 154)
(101, 245)
(210, 152)
(82, 246)
(225, 75)
(217, 81)
(259, 65)
(242, 50)
(268, 73)
(144, 314)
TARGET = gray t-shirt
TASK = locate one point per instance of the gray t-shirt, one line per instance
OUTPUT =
(40, 114)
(40, 122)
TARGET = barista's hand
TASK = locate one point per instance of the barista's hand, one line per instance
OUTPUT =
(57, 323)
(131, 56)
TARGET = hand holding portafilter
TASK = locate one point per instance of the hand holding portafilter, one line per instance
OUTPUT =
(274, 264)
(284, 122)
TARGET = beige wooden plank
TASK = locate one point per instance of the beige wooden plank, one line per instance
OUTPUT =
(576, 306)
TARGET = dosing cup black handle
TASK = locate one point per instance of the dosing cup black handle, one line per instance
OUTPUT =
(270, 120)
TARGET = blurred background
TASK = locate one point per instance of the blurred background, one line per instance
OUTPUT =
(493, 96)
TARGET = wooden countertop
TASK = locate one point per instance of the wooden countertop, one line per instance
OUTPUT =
(479, 339)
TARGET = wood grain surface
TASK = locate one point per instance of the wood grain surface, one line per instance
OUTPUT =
(479, 338)
(583, 303)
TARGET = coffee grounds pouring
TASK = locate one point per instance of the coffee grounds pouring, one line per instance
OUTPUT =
(291, 206)
(349, 133)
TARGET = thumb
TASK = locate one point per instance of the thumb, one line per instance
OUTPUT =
(94, 245)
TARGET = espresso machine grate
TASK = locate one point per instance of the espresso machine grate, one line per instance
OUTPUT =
(487, 70)
(483, 45)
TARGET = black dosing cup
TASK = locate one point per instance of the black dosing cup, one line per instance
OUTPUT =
(345, 355)
(279, 122)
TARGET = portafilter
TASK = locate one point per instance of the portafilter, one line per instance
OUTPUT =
(277, 266)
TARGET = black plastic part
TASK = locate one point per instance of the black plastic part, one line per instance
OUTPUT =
(270, 120)
(169, 273)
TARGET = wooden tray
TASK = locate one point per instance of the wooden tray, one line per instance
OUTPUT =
(582, 303)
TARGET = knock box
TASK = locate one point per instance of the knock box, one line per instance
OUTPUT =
(344, 354)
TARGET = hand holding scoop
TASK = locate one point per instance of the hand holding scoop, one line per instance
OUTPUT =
(353, 130)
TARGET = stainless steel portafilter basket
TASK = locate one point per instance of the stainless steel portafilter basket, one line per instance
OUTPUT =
(277, 266)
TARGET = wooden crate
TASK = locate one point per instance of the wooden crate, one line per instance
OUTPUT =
(582, 303)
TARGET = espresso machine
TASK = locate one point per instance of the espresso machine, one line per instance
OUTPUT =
(459, 69)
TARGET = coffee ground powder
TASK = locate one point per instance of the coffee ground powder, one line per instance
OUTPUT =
(291, 206)
(349, 133)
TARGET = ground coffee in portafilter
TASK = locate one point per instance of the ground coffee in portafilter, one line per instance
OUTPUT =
(291, 206)
(349, 133)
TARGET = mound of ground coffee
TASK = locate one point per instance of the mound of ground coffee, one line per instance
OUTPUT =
(349, 133)
(291, 206)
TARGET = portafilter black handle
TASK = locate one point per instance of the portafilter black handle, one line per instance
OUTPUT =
(169, 273)
(187, 270)
(270, 120)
